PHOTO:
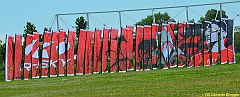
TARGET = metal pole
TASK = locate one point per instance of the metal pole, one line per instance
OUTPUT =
(57, 23)
(186, 13)
(88, 21)
(153, 16)
(220, 4)
(120, 19)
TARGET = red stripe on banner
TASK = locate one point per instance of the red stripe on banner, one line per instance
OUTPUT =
(70, 53)
(88, 52)
(105, 50)
(46, 53)
(154, 46)
(130, 48)
(35, 56)
(146, 43)
(61, 53)
(113, 50)
(28, 56)
(54, 54)
(81, 52)
(9, 58)
(123, 50)
(97, 47)
(18, 57)
(139, 35)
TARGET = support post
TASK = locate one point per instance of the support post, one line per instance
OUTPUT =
(88, 27)
(186, 13)
(220, 10)
(153, 16)
(57, 22)
(120, 19)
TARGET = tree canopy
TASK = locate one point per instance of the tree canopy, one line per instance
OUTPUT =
(29, 28)
(81, 24)
(159, 18)
(211, 14)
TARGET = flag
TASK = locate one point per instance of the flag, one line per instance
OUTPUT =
(54, 54)
(9, 58)
(81, 52)
(97, 48)
(28, 56)
(130, 48)
(113, 50)
(154, 47)
(105, 50)
(146, 47)
(46, 53)
(18, 57)
(35, 56)
(123, 50)
(61, 53)
(88, 52)
(138, 51)
(70, 53)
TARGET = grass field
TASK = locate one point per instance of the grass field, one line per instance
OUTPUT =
(173, 82)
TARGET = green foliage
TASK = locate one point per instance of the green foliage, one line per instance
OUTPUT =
(2, 52)
(29, 28)
(159, 19)
(211, 14)
(81, 24)
(237, 42)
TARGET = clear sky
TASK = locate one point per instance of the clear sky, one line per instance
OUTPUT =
(15, 13)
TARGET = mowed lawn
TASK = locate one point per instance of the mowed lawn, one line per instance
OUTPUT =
(196, 81)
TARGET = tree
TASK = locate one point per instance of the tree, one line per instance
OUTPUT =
(2, 51)
(159, 19)
(211, 14)
(29, 28)
(81, 24)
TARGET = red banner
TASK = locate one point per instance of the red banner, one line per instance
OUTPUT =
(172, 52)
(46, 53)
(113, 50)
(105, 50)
(123, 50)
(97, 47)
(35, 56)
(18, 57)
(139, 35)
(54, 54)
(88, 52)
(81, 52)
(9, 58)
(180, 44)
(146, 43)
(130, 48)
(61, 53)
(70, 53)
(28, 56)
(154, 47)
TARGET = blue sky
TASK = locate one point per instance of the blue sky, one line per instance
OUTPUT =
(15, 13)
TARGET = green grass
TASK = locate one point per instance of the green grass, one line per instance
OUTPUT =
(173, 82)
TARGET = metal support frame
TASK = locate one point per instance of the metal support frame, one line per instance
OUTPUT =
(153, 16)
(187, 14)
(120, 20)
(88, 27)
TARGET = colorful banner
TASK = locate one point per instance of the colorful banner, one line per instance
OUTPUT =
(70, 53)
(146, 47)
(230, 43)
(223, 39)
(105, 50)
(189, 44)
(18, 57)
(197, 45)
(154, 48)
(166, 46)
(9, 58)
(61, 53)
(28, 56)
(46, 53)
(139, 46)
(35, 56)
(181, 45)
(88, 52)
(130, 48)
(54, 54)
(81, 52)
(113, 50)
(96, 55)
(214, 41)
(123, 51)
(206, 43)
(172, 44)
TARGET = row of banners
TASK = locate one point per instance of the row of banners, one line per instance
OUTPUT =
(103, 51)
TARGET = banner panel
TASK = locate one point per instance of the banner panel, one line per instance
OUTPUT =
(172, 46)
(154, 47)
(70, 53)
(28, 56)
(146, 47)
(81, 52)
(206, 43)
(9, 58)
(88, 52)
(54, 54)
(18, 57)
(113, 50)
(123, 50)
(181, 45)
(105, 50)
(61, 53)
(35, 56)
(197, 45)
(97, 48)
(130, 48)
(46, 53)
(139, 45)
